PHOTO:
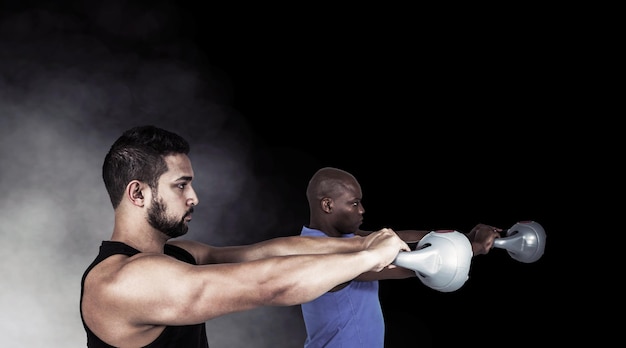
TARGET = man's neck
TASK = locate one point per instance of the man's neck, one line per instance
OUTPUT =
(151, 241)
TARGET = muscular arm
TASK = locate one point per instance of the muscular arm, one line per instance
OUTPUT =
(161, 290)
(127, 296)
(481, 237)
(282, 246)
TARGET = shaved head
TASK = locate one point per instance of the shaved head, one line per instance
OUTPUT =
(329, 182)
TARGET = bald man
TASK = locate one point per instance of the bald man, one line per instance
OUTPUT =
(350, 314)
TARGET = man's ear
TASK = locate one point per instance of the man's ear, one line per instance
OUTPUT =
(327, 204)
(134, 192)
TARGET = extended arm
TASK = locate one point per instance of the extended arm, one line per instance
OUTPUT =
(481, 238)
(129, 299)
(154, 289)
(282, 246)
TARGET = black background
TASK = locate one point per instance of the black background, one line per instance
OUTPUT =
(447, 117)
(446, 120)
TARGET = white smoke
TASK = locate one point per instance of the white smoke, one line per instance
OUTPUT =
(65, 96)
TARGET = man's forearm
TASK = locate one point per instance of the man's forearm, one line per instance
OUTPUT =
(293, 245)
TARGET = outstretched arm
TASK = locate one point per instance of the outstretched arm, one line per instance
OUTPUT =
(281, 246)
(207, 291)
(135, 294)
(481, 238)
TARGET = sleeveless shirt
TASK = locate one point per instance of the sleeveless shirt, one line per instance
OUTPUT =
(348, 318)
(188, 336)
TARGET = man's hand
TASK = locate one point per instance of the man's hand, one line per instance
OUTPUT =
(386, 244)
(482, 237)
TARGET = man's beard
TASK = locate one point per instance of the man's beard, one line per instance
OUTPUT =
(157, 217)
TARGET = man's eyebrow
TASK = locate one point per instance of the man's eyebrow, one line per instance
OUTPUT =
(184, 178)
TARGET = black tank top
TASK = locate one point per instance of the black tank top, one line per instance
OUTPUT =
(188, 336)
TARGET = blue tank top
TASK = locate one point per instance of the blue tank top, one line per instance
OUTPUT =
(350, 317)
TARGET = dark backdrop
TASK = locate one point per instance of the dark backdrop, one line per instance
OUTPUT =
(447, 117)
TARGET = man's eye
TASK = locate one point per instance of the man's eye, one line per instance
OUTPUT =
(182, 186)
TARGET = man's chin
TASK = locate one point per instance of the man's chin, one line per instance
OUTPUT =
(178, 233)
